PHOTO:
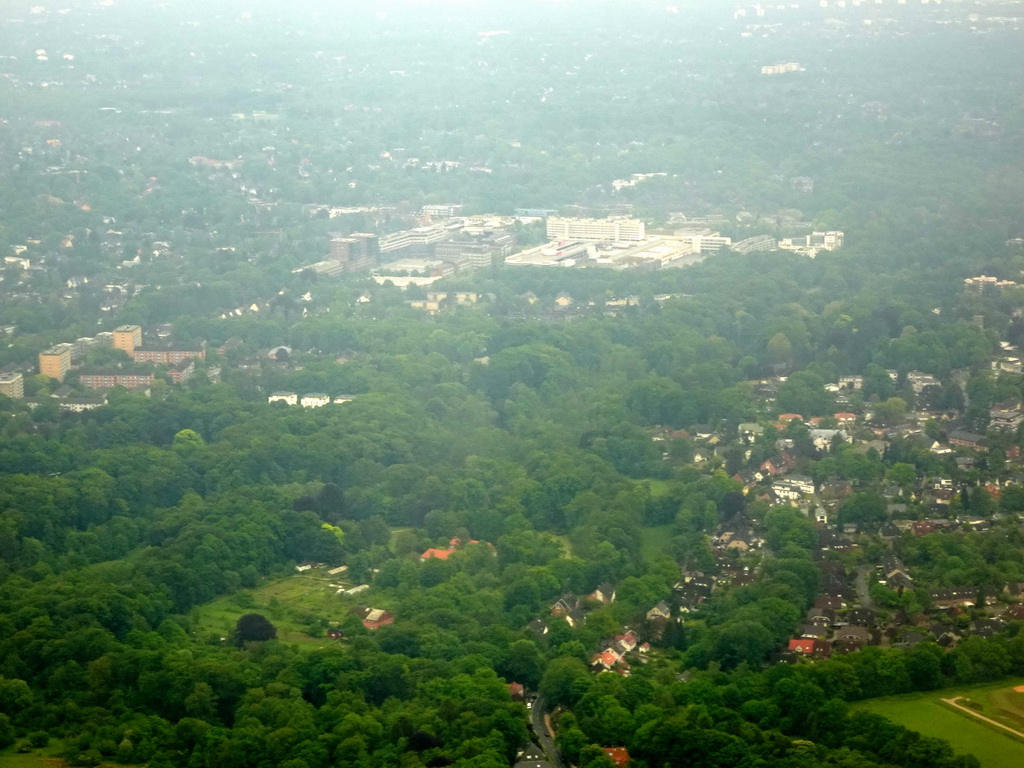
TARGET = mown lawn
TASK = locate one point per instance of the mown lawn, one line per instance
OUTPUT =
(655, 541)
(926, 714)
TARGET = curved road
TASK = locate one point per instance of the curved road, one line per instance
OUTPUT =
(544, 739)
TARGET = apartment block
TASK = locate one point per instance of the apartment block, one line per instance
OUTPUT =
(183, 370)
(12, 385)
(107, 379)
(55, 362)
(128, 337)
(167, 356)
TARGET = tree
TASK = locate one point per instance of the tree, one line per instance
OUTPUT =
(890, 411)
(253, 627)
(864, 508)
(564, 681)
(903, 474)
(7, 733)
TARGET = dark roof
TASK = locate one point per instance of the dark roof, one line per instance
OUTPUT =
(532, 757)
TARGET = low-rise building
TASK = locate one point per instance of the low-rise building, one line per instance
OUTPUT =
(116, 378)
(166, 356)
(373, 618)
(182, 371)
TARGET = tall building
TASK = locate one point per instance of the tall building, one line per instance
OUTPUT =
(12, 385)
(371, 245)
(128, 337)
(358, 252)
(55, 362)
(616, 230)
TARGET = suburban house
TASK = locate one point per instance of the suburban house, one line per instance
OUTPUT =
(660, 611)
(605, 593)
(532, 757)
(618, 755)
(454, 545)
(569, 607)
(955, 597)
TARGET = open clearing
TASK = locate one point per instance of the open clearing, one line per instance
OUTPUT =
(41, 758)
(655, 542)
(289, 603)
(927, 714)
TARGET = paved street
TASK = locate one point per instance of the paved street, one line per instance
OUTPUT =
(544, 740)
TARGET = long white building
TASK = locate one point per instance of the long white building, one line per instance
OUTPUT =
(616, 230)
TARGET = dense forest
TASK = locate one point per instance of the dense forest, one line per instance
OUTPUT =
(566, 498)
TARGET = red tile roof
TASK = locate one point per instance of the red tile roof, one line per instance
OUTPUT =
(802, 646)
(619, 755)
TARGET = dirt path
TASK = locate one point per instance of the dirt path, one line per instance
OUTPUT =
(953, 703)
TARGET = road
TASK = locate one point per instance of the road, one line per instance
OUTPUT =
(862, 586)
(544, 740)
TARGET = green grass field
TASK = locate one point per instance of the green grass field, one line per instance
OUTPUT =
(41, 758)
(926, 714)
(655, 541)
(35, 759)
(286, 602)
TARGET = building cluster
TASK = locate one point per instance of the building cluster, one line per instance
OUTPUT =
(810, 245)
(312, 400)
(618, 243)
(57, 361)
(781, 69)
(623, 243)
(981, 283)
(437, 250)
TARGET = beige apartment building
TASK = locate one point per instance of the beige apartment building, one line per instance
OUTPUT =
(55, 362)
(12, 385)
(128, 337)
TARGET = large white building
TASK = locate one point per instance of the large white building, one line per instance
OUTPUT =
(410, 237)
(809, 245)
(616, 230)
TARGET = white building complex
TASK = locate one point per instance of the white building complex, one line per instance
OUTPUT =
(615, 230)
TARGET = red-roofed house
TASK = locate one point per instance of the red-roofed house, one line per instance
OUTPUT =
(454, 545)
(803, 646)
(809, 647)
(605, 660)
(846, 419)
(785, 418)
(440, 554)
(626, 642)
(619, 756)
(517, 691)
